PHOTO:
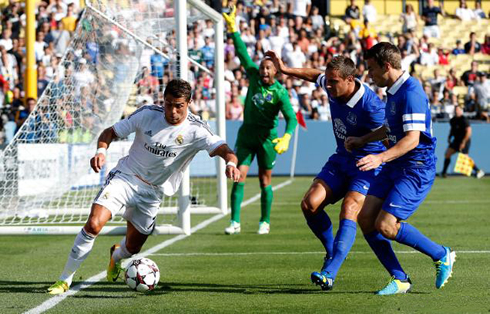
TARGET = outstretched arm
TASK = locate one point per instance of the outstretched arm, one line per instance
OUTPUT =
(231, 160)
(241, 49)
(105, 139)
(307, 74)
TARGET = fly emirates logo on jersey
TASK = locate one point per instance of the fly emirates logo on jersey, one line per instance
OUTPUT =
(160, 150)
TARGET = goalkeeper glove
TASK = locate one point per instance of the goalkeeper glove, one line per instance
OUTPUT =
(230, 20)
(282, 143)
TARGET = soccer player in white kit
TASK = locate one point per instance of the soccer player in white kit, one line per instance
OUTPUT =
(167, 138)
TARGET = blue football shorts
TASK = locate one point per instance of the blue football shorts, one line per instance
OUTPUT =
(403, 189)
(342, 175)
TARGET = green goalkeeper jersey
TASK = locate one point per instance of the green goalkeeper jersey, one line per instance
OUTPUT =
(263, 102)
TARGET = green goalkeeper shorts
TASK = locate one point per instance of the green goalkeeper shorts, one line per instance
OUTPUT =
(252, 142)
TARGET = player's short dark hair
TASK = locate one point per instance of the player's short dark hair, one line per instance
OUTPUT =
(178, 88)
(344, 65)
(385, 52)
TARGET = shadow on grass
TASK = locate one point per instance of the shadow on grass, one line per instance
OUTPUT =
(123, 292)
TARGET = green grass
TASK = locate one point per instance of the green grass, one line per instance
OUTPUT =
(454, 214)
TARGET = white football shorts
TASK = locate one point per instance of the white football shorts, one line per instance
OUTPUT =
(140, 199)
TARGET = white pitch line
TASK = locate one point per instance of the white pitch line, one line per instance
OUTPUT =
(425, 202)
(52, 302)
(292, 253)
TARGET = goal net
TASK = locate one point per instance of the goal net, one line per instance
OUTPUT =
(46, 184)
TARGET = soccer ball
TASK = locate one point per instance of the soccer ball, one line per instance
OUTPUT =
(142, 275)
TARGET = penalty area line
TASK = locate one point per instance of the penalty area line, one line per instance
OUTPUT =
(55, 300)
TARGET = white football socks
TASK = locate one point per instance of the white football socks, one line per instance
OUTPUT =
(79, 252)
(121, 252)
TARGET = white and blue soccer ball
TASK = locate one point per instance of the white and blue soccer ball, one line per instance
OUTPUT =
(142, 274)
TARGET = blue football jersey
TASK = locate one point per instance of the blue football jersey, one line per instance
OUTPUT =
(363, 113)
(408, 109)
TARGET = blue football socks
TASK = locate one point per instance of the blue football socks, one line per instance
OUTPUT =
(409, 235)
(383, 250)
(321, 225)
(344, 240)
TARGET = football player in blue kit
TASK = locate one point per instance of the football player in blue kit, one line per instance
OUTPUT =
(356, 111)
(407, 175)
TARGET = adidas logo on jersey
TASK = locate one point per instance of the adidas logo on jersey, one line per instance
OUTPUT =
(149, 133)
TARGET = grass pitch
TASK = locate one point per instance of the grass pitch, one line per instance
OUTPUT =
(210, 272)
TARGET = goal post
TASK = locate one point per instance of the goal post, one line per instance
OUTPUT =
(46, 186)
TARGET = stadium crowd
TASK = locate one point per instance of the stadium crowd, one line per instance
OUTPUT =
(294, 29)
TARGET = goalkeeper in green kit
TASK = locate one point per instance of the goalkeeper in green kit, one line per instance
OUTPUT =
(258, 135)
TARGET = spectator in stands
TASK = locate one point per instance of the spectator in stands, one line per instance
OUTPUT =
(42, 82)
(69, 22)
(323, 108)
(437, 82)
(317, 20)
(199, 106)
(470, 103)
(472, 46)
(436, 106)
(295, 57)
(352, 12)
(429, 57)
(6, 40)
(10, 128)
(208, 52)
(449, 103)
(408, 60)
(234, 109)
(443, 56)
(464, 13)
(469, 77)
(148, 84)
(8, 68)
(482, 93)
(478, 11)
(369, 11)
(39, 46)
(429, 15)
(22, 115)
(83, 77)
(299, 8)
(485, 47)
(158, 62)
(459, 48)
(305, 105)
(368, 35)
(410, 19)
(451, 80)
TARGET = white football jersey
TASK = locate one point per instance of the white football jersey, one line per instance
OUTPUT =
(161, 151)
